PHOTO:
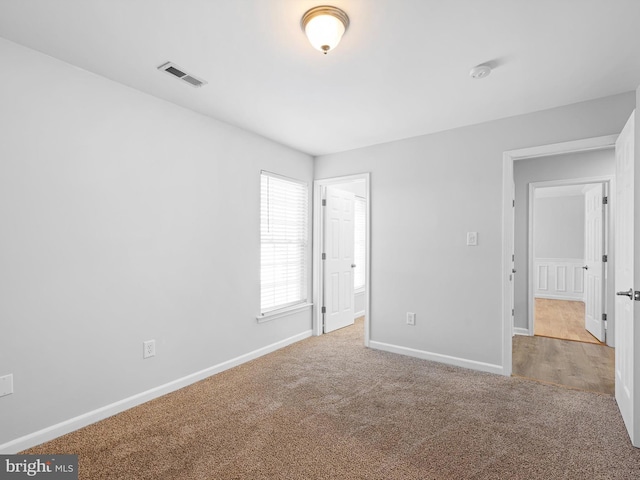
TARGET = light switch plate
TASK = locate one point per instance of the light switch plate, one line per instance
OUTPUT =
(6, 385)
(472, 238)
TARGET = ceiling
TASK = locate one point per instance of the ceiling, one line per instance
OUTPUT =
(401, 70)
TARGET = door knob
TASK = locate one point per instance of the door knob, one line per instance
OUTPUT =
(586, 267)
(628, 293)
(353, 265)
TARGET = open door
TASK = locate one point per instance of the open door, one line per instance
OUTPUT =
(338, 259)
(512, 275)
(625, 371)
(594, 266)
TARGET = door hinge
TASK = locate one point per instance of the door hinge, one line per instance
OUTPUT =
(513, 257)
(324, 202)
(324, 256)
(604, 317)
(513, 312)
(605, 200)
(604, 258)
(513, 203)
(324, 310)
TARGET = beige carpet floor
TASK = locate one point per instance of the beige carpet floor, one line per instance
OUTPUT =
(327, 408)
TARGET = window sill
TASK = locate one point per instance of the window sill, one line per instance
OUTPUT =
(267, 317)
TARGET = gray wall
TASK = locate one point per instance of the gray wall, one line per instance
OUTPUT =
(357, 187)
(557, 167)
(124, 218)
(426, 193)
(558, 227)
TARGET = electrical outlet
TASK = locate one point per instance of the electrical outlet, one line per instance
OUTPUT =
(149, 349)
(472, 238)
(411, 318)
(6, 385)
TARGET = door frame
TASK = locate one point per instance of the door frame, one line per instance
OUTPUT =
(508, 233)
(609, 185)
(318, 238)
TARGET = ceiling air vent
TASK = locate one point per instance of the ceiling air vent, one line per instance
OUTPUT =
(173, 69)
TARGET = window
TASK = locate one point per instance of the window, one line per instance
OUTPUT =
(284, 241)
(359, 236)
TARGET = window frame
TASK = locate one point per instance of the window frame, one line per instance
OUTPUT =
(278, 310)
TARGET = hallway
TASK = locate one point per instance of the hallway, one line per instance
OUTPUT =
(583, 366)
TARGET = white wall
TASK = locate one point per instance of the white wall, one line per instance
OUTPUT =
(426, 193)
(558, 244)
(557, 167)
(359, 304)
(558, 227)
(124, 218)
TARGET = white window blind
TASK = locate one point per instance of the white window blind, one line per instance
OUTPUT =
(284, 240)
(360, 243)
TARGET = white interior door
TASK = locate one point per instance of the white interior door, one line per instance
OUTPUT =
(594, 266)
(624, 282)
(512, 275)
(339, 259)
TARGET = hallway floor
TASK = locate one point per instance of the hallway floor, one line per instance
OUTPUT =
(561, 319)
(584, 366)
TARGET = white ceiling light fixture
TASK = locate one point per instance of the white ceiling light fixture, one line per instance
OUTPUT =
(481, 71)
(324, 27)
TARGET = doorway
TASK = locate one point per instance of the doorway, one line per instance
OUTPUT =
(625, 227)
(568, 259)
(508, 214)
(336, 277)
(560, 240)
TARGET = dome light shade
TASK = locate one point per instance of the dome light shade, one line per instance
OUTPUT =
(324, 27)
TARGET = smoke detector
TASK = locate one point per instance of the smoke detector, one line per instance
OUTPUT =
(480, 71)
(176, 71)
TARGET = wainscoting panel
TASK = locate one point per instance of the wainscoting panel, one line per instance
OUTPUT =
(542, 277)
(559, 278)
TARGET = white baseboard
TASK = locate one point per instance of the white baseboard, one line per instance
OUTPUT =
(358, 314)
(437, 357)
(67, 426)
(521, 331)
(559, 297)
